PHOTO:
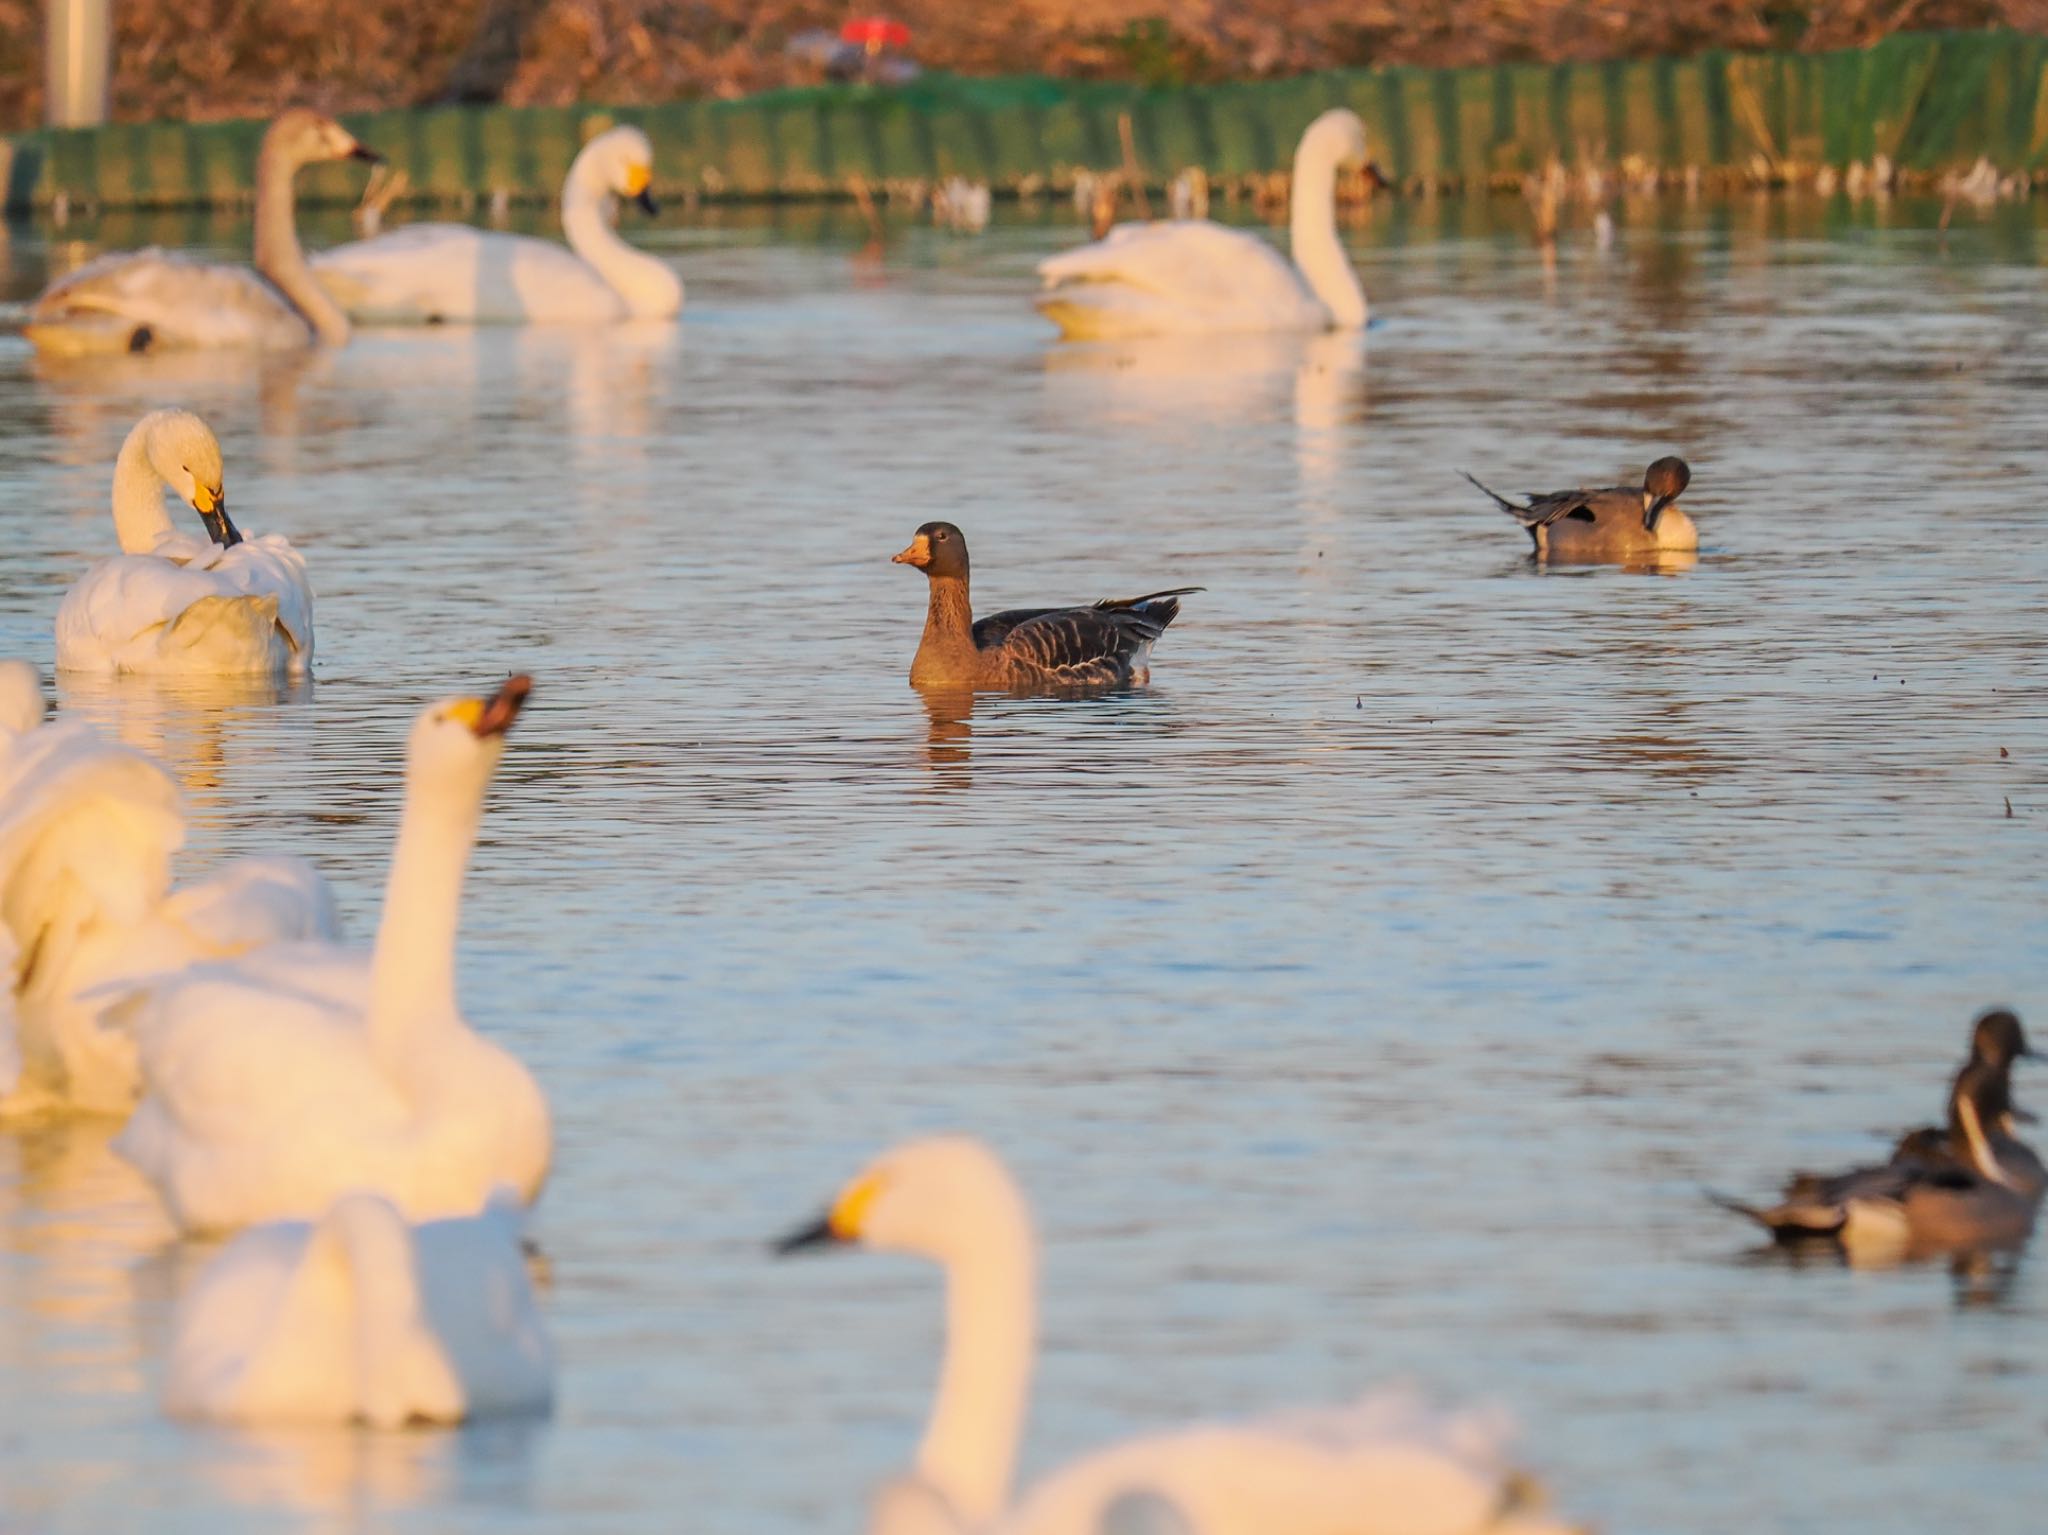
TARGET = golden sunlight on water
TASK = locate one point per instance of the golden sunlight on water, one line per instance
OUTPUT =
(1370, 997)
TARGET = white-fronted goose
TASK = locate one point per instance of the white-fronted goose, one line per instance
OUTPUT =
(1621, 523)
(1104, 645)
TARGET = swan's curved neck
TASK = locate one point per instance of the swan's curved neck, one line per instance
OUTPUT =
(140, 519)
(1312, 231)
(278, 254)
(412, 969)
(970, 1446)
(646, 284)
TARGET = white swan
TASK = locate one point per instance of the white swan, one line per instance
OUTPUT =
(1189, 275)
(1385, 1466)
(87, 830)
(451, 272)
(362, 1317)
(274, 1085)
(134, 301)
(171, 602)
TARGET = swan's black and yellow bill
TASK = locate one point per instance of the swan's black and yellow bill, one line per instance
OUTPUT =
(817, 1233)
(365, 152)
(212, 506)
(840, 1225)
(639, 179)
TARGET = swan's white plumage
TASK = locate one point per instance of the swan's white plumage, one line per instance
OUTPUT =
(1190, 276)
(87, 832)
(152, 299)
(1182, 276)
(172, 602)
(456, 273)
(361, 1317)
(276, 1083)
(1386, 1465)
(181, 300)
(191, 606)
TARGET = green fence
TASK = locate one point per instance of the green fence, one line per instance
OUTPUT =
(1929, 101)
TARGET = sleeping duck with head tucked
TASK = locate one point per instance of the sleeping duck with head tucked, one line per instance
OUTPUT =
(1103, 645)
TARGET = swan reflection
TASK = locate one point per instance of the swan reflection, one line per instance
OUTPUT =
(195, 726)
(1174, 385)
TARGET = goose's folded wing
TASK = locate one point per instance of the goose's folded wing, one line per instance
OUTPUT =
(1075, 644)
(993, 629)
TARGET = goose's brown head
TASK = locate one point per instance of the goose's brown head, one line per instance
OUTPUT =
(938, 549)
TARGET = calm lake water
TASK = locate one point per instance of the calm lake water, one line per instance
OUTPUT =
(1369, 998)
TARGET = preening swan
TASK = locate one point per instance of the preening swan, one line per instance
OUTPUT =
(87, 830)
(134, 301)
(452, 272)
(274, 1085)
(362, 1317)
(1384, 1466)
(1190, 275)
(171, 602)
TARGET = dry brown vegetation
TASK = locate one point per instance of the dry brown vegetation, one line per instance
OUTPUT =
(231, 58)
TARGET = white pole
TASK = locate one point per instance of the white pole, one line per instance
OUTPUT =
(76, 74)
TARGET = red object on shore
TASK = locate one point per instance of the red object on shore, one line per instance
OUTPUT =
(874, 33)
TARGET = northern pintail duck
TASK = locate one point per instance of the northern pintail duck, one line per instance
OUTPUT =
(1104, 645)
(1621, 523)
(1972, 1185)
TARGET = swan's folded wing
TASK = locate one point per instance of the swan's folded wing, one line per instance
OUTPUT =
(1191, 263)
(239, 1058)
(253, 902)
(1385, 1466)
(85, 820)
(268, 566)
(427, 272)
(183, 301)
(129, 600)
(415, 273)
